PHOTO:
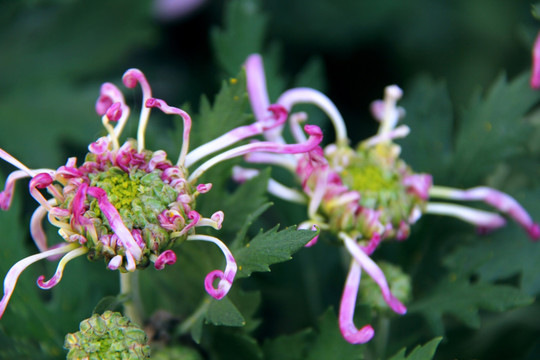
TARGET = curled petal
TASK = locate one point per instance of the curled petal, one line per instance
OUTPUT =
(131, 266)
(308, 225)
(13, 274)
(10, 159)
(484, 220)
(373, 244)
(115, 262)
(311, 96)
(418, 184)
(315, 137)
(131, 78)
(100, 146)
(7, 195)
(226, 277)
(168, 257)
(115, 222)
(171, 220)
(243, 132)
(109, 94)
(347, 306)
(36, 228)
(204, 188)
(218, 217)
(60, 269)
(162, 105)
(114, 112)
(375, 272)
(40, 181)
(535, 76)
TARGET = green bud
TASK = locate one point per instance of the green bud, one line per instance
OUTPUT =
(398, 281)
(109, 336)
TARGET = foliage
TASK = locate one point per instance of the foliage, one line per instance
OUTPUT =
(474, 121)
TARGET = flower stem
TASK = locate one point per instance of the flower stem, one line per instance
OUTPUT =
(383, 333)
(129, 288)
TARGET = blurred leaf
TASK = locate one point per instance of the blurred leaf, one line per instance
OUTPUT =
(243, 34)
(288, 347)
(492, 129)
(270, 248)
(462, 299)
(429, 115)
(505, 253)
(227, 344)
(425, 352)
(329, 343)
(27, 328)
(326, 342)
(45, 99)
(111, 303)
(56, 44)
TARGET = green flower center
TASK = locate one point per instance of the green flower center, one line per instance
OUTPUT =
(138, 196)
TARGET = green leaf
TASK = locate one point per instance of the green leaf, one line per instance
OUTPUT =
(288, 347)
(492, 129)
(506, 253)
(223, 312)
(243, 34)
(227, 111)
(463, 300)
(270, 248)
(429, 116)
(329, 343)
(425, 352)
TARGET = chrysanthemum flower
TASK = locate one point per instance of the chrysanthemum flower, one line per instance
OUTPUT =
(129, 205)
(363, 195)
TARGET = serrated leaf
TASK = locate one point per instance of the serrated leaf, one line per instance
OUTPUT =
(223, 312)
(424, 352)
(243, 34)
(492, 129)
(429, 116)
(226, 112)
(270, 248)
(463, 300)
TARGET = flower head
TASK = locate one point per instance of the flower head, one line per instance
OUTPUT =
(367, 194)
(129, 205)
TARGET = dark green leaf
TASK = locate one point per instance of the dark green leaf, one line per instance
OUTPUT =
(429, 115)
(492, 129)
(243, 34)
(223, 312)
(288, 347)
(463, 300)
(227, 111)
(425, 352)
(270, 248)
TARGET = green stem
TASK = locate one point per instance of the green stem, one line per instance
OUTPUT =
(382, 335)
(129, 288)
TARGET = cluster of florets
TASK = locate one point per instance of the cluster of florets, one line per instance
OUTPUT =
(107, 336)
(151, 196)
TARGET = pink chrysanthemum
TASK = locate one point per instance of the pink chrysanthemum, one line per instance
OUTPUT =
(129, 205)
(363, 195)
